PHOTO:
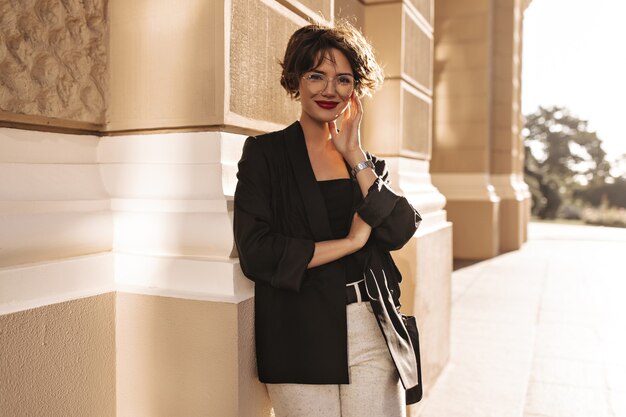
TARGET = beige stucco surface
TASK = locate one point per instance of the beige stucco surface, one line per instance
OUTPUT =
(167, 64)
(185, 357)
(59, 360)
(255, 52)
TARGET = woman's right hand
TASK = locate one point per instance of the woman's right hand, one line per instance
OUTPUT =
(330, 250)
(359, 232)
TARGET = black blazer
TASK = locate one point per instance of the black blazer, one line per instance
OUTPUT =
(279, 214)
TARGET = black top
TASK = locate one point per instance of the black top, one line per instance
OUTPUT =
(338, 197)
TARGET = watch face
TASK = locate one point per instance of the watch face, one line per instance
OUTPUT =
(361, 166)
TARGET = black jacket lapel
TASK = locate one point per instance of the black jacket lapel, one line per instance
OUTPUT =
(307, 184)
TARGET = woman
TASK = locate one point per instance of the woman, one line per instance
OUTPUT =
(313, 217)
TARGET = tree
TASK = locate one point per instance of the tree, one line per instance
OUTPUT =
(563, 157)
(611, 194)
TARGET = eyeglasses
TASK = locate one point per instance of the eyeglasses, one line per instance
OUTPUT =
(316, 82)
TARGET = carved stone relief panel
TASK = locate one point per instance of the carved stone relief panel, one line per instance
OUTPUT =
(53, 59)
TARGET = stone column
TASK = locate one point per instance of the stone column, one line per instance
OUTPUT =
(478, 152)
(507, 153)
(523, 191)
(397, 126)
(189, 81)
(463, 124)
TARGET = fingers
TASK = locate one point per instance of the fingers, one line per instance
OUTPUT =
(332, 127)
(351, 111)
(359, 107)
(356, 108)
(350, 123)
(347, 115)
(355, 116)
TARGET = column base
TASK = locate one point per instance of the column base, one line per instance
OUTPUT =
(512, 225)
(186, 357)
(513, 210)
(476, 228)
(473, 207)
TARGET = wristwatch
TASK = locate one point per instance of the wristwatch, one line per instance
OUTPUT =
(361, 166)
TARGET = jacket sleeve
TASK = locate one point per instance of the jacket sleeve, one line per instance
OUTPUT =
(393, 219)
(264, 255)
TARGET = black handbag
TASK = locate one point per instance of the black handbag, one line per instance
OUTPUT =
(400, 331)
(414, 394)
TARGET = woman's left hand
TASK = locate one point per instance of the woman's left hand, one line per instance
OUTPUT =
(348, 140)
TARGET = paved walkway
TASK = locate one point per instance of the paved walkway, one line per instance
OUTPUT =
(540, 332)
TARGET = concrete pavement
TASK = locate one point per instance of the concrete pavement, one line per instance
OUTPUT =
(540, 332)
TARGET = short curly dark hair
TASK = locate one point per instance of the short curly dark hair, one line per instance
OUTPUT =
(309, 45)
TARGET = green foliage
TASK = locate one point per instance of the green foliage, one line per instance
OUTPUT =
(612, 193)
(564, 161)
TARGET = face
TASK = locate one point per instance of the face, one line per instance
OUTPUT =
(325, 103)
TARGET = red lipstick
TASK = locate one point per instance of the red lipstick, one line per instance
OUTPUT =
(327, 104)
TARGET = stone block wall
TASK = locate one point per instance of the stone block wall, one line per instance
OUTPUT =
(122, 126)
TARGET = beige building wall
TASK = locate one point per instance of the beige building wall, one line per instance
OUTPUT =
(477, 122)
(57, 305)
(213, 70)
(172, 359)
(116, 250)
(59, 360)
(122, 124)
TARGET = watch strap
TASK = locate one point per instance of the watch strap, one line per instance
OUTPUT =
(361, 166)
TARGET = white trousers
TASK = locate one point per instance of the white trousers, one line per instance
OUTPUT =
(374, 390)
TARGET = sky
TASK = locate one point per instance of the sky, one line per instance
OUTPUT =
(574, 54)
